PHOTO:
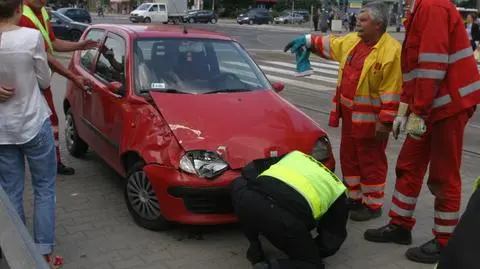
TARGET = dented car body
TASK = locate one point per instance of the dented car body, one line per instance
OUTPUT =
(178, 115)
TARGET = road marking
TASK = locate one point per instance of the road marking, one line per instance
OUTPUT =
(300, 84)
(292, 73)
(330, 72)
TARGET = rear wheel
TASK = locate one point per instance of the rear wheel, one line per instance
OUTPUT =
(142, 201)
(75, 145)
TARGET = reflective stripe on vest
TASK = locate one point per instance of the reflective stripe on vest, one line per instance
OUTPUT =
(477, 184)
(28, 12)
(318, 185)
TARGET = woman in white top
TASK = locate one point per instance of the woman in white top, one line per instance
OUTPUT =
(25, 128)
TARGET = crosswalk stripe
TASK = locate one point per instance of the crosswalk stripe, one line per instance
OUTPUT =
(292, 73)
(330, 72)
(301, 84)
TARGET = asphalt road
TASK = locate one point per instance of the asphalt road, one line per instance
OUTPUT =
(94, 229)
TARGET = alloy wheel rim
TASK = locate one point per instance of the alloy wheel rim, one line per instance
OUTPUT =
(141, 196)
(70, 131)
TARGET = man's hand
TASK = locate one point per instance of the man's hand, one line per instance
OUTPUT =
(6, 93)
(399, 125)
(80, 82)
(89, 44)
(416, 126)
(296, 44)
(382, 131)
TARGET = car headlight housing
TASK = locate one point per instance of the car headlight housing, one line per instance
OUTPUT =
(203, 163)
(322, 149)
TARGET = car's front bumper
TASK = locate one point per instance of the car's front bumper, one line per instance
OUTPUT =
(137, 18)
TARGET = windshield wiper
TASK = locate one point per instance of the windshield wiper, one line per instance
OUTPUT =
(229, 90)
(143, 91)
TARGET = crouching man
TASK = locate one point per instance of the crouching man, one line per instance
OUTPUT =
(284, 198)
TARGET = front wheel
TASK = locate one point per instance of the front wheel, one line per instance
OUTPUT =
(147, 20)
(142, 202)
(213, 21)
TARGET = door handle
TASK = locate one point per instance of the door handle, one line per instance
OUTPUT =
(88, 89)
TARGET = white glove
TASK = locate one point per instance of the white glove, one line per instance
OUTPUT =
(400, 122)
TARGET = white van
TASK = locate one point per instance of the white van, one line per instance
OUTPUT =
(162, 11)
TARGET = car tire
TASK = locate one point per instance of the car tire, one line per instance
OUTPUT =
(138, 188)
(75, 35)
(213, 21)
(191, 20)
(147, 20)
(75, 145)
(250, 22)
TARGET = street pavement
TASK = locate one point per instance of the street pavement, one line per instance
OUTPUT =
(95, 230)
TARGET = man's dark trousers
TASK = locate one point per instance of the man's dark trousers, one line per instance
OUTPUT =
(260, 214)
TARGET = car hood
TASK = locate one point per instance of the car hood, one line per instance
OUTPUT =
(239, 126)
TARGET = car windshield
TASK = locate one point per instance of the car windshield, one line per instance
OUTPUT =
(144, 6)
(195, 66)
(61, 16)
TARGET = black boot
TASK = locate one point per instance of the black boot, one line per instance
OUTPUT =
(365, 213)
(64, 170)
(389, 233)
(427, 253)
(354, 204)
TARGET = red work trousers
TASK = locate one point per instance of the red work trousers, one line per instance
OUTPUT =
(53, 118)
(441, 146)
(364, 164)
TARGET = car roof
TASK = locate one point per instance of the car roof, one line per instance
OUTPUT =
(160, 30)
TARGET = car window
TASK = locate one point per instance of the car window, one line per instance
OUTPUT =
(87, 56)
(111, 62)
(194, 66)
(154, 8)
(162, 7)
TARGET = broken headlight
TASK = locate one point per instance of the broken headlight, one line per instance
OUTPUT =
(321, 150)
(205, 164)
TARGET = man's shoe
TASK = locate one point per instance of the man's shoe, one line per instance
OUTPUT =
(427, 253)
(389, 233)
(365, 213)
(261, 265)
(65, 170)
(255, 254)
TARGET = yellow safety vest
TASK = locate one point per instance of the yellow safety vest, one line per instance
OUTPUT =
(318, 185)
(28, 12)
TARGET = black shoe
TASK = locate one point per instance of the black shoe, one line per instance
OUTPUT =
(65, 170)
(255, 254)
(427, 253)
(354, 204)
(365, 213)
(261, 265)
(389, 233)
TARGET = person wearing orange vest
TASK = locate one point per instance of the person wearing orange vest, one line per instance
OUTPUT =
(36, 16)
(366, 99)
(441, 90)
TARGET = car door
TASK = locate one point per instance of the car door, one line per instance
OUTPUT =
(153, 13)
(60, 27)
(162, 12)
(105, 105)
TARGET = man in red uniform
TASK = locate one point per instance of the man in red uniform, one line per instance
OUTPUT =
(60, 46)
(367, 98)
(441, 88)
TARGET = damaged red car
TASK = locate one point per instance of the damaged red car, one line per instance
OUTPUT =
(178, 112)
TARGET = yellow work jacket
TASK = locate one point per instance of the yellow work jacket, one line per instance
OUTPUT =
(318, 185)
(380, 84)
(28, 12)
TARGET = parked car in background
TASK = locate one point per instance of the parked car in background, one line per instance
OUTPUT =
(66, 28)
(179, 114)
(289, 17)
(204, 16)
(76, 14)
(255, 16)
(304, 13)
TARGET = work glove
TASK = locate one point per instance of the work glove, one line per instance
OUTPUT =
(295, 45)
(416, 126)
(400, 122)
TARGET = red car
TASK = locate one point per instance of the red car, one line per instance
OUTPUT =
(178, 112)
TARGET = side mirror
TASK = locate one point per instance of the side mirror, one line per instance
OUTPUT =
(278, 87)
(115, 87)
